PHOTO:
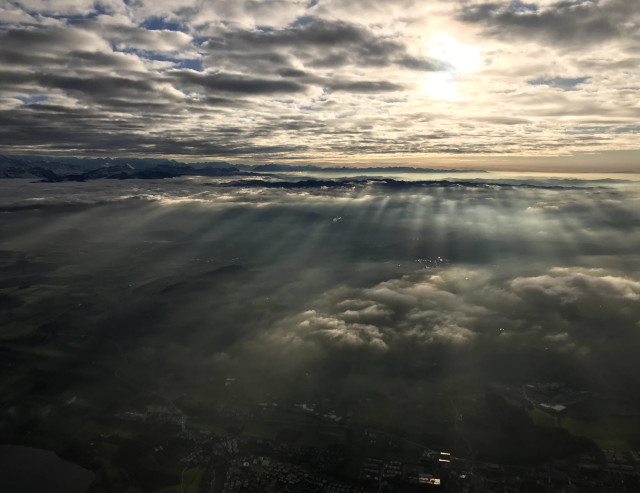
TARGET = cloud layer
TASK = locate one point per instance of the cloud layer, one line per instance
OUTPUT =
(397, 307)
(327, 81)
(473, 309)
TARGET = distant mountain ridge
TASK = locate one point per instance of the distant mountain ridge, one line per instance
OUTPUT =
(99, 162)
(284, 168)
(83, 169)
(55, 169)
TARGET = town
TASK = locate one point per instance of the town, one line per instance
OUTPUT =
(233, 462)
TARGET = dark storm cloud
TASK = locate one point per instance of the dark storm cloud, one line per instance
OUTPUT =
(577, 22)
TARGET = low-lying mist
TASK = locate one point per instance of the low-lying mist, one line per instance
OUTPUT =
(385, 303)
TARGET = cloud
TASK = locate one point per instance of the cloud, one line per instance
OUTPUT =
(364, 86)
(562, 309)
(426, 282)
(43, 46)
(390, 314)
(573, 22)
(62, 7)
(314, 43)
(236, 84)
(564, 83)
(98, 87)
(341, 332)
(256, 79)
(568, 285)
(126, 36)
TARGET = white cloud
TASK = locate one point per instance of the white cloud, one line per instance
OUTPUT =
(572, 284)
(458, 306)
(412, 308)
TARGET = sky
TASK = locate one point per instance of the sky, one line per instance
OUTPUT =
(551, 85)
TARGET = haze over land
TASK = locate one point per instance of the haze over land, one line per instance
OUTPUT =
(384, 303)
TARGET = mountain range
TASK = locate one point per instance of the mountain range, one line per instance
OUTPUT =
(55, 169)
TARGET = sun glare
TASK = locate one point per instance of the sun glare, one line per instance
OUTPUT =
(441, 86)
(458, 59)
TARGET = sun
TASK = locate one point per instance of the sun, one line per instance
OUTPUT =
(440, 86)
(457, 59)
